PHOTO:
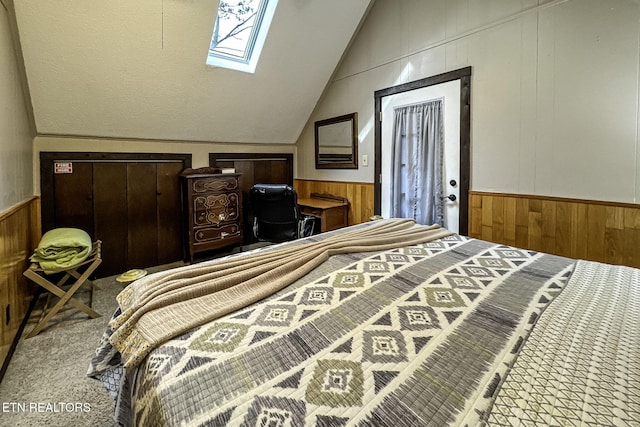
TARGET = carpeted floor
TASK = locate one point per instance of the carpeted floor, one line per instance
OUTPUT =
(46, 383)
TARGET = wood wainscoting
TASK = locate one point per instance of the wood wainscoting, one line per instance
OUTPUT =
(359, 195)
(598, 231)
(19, 236)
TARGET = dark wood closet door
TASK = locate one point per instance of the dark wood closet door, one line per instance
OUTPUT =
(255, 169)
(73, 197)
(261, 171)
(131, 202)
(110, 216)
(169, 230)
(142, 213)
(271, 172)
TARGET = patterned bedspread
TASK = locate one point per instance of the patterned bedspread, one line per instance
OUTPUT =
(581, 364)
(422, 335)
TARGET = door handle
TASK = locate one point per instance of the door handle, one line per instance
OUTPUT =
(451, 197)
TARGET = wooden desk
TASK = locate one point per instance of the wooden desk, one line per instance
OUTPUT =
(332, 213)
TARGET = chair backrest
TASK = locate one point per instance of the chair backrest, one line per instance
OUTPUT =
(276, 212)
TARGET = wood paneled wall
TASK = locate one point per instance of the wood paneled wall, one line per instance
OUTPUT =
(359, 194)
(19, 235)
(593, 230)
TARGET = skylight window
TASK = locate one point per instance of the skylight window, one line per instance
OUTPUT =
(239, 33)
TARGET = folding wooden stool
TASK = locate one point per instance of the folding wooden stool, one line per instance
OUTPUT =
(36, 274)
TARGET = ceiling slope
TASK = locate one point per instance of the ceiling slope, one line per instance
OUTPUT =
(136, 69)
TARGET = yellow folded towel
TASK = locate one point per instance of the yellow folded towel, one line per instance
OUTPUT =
(62, 248)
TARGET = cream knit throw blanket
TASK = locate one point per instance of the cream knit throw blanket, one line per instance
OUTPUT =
(164, 305)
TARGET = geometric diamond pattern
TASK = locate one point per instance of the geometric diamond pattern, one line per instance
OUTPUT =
(385, 320)
(382, 378)
(420, 342)
(493, 263)
(376, 267)
(384, 347)
(275, 412)
(462, 282)
(336, 383)
(329, 421)
(479, 272)
(336, 283)
(317, 295)
(160, 363)
(451, 315)
(443, 297)
(292, 381)
(277, 315)
(417, 318)
(349, 280)
(581, 363)
(223, 337)
(334, 370)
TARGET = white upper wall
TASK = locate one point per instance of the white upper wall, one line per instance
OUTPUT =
(554, 98)
(16, 183)
(136, 69)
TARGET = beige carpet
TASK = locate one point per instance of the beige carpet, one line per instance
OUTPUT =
(46, 383)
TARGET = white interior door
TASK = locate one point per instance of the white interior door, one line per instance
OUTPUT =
(450, 93)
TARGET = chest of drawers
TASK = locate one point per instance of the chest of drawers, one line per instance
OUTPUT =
(212, 212)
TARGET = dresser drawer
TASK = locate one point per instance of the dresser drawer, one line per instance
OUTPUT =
(214, 185)
(213, 209)
(210, 234)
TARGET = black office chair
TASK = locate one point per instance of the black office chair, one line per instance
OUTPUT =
(277, 217)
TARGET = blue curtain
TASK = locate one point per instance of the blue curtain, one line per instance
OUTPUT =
(416, 189)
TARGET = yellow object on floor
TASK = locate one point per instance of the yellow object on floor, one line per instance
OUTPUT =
(131, 275)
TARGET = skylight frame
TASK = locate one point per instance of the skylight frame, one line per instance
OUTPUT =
(255, 43)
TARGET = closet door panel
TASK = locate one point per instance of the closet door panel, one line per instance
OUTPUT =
(263, 171)
(142, 239)
(73, 198)
(129, 201)
(279, 171)
(245, 168)
(267, 172)
(110, 216)
(258, 170)
(247, 178)
(169, 224)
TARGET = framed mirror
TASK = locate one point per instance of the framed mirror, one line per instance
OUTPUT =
(337, 142)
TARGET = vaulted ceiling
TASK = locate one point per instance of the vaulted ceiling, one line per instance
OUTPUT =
(136, 69)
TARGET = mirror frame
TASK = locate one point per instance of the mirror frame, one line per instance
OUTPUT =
(353, 118)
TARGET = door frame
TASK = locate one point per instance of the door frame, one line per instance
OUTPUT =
(462, 74)
(47, 160)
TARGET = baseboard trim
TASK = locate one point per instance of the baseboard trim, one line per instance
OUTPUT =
(18, 336)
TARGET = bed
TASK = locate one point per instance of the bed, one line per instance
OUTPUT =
(387, 323)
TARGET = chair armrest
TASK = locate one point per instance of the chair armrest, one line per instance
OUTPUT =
(306, 225)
